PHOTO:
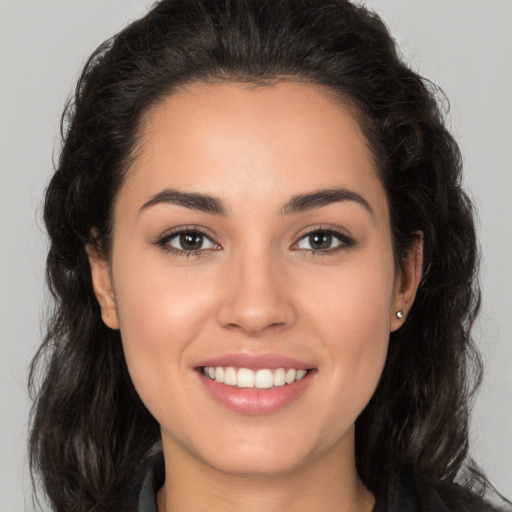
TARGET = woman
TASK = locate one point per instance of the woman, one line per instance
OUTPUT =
(264, 268)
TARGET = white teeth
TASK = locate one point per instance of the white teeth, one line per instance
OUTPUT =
(290, 376)
(219, 374)
(300, 374)
(279, 377)
(260, 379)
(245, 378)
(264, 379)
(230, 377)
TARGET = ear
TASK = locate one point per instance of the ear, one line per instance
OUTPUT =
(407, 282)
(102, 285)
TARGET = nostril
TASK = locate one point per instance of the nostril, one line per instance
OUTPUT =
(256, 320)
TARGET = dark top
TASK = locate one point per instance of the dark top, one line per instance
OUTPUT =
(412, 496)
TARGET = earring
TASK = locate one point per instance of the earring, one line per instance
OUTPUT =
(400, 314)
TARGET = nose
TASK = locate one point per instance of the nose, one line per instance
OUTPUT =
(258, 298)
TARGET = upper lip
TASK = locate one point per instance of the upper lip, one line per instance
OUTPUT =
(255, 362)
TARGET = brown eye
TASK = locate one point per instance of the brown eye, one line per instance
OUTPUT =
(188, 242)
(191, 241)
(323, 240)
(320, 241)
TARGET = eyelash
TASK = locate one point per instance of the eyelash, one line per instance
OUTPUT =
(345, 242)
(163, 242)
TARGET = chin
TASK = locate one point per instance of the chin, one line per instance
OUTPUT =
(262, 463)
(269, 452)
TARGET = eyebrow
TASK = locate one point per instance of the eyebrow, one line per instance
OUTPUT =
(192, 200)
(302, 202)
(325, 197)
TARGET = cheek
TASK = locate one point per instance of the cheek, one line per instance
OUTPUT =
(355, 303)
(158, 304)
(160, 314)
(354, 327)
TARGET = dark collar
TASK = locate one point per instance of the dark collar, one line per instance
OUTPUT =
(412, 494)
(153, 480)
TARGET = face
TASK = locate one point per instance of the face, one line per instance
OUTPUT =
(251, 247)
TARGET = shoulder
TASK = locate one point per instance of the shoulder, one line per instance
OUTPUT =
(418, 494)
(411, 493)
(147, 483)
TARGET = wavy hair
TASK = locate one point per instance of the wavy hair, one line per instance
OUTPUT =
(90, 431)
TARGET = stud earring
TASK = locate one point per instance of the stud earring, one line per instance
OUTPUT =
(400, 314)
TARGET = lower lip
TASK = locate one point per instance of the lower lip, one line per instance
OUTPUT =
(256, 401)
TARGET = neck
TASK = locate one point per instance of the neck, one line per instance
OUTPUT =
(329, 483)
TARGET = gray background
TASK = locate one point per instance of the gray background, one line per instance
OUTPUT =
(463, 45)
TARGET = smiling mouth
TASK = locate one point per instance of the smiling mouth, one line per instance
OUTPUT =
(245, 378)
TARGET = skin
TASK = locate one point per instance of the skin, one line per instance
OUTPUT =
(256, 288)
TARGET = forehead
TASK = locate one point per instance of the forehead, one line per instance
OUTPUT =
(230, 139)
